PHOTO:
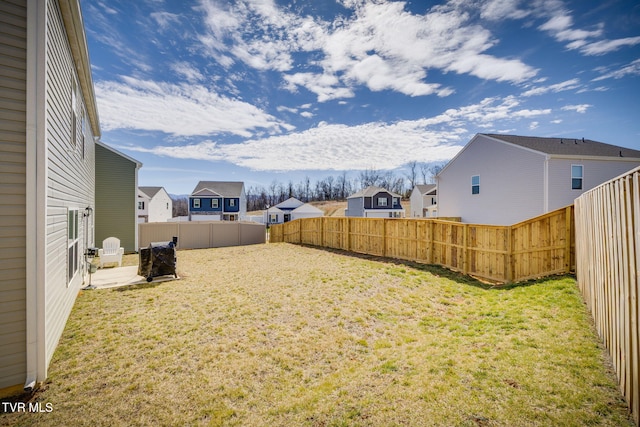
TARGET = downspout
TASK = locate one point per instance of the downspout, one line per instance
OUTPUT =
(36, 202)
(135, 210)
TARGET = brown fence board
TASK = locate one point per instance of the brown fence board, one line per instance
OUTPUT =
(533, 248)
(607, 230)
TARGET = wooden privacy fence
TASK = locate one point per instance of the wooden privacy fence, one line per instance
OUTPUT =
(608, 262)
(200, 235)
(534, 248)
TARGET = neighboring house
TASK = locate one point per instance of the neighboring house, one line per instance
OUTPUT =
(218, 201)
(374, 202)
(116, 196)
(154, 205)
(423, 200)
(289, 210)
(505, 179)
(49, 122)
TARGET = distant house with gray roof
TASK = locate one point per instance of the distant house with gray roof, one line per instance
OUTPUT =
(289, 210)
(154, 205)
(505, 179)
(374, 202)
(218, 201)
(423, 200)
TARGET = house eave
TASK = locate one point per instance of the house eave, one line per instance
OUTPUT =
(74, 27)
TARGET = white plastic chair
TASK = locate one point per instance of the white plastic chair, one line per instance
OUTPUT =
(111, 251)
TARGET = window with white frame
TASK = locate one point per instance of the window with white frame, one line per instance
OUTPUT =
(382, 201)
(232, 202)
(577, 175)
(273, 218)
(475, 184)
(214, 203)
(141, 205)
(196, 203)
(72, 244)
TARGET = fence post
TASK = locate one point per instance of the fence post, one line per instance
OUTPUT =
(509, 267)
(465, 249)
(431, 242)
(567, 233)
(384, 237)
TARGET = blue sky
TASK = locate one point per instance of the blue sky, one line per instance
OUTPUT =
(266, 90)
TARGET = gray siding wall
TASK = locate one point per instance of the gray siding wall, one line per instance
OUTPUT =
(354, 207)
(70, 178)
(13, 36)
(511, 184)
(595, 172)
(116, 195)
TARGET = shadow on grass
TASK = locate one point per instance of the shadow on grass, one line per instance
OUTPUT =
(146, 285)
(440, 271)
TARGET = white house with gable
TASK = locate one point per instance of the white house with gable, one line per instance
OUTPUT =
(423, 200)
(154, 205)
(289, 210)
(506, 179)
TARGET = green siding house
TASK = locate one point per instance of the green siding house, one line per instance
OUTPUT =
(116, 213)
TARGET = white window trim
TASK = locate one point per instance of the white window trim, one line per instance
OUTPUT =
(475, 185)
(217, 203)
(232, 202)
(73, 244)
(581, 178)
(196, 203)
(380, 199)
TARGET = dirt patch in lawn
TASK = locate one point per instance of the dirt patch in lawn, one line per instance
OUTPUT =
(286, 335)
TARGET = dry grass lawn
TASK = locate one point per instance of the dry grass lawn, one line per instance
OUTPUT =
(283, 335)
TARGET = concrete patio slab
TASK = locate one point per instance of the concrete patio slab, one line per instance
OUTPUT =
(121, 276)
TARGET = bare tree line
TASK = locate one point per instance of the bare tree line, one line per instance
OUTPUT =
(331, 188)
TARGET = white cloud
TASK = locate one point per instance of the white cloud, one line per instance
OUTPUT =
(381, 46)
(178, 110)
(496, 10)
(605, 46)
(558, 87)
(307, 114)
(165, 19)
(342, 147)
(632, 69)
(533, 125)
(187, 71)
(581, 108)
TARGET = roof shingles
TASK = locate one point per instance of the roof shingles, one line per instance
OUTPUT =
(567, 146)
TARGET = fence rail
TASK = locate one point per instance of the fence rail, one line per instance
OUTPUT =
(200, 235)
(608, 261)
(538, 247)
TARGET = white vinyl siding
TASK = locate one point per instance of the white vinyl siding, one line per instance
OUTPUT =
(70, 177)
(13, 39)
(160, 207)
(595, 172)
(512, 184)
